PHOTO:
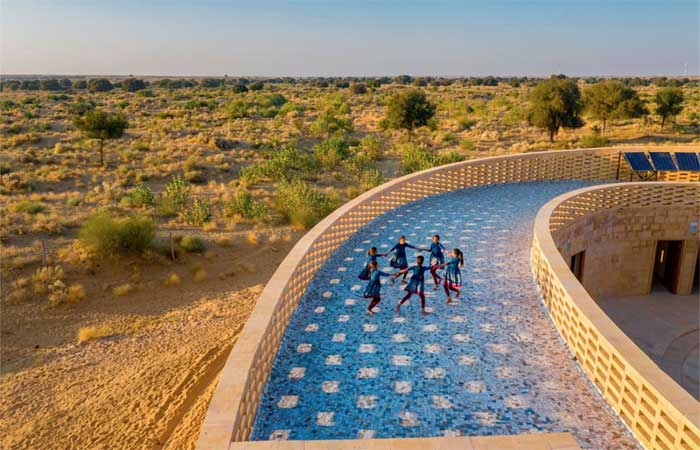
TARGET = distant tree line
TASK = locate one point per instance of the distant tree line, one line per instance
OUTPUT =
(357, 85)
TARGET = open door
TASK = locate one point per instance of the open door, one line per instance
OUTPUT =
(576, 266)
(668, 263)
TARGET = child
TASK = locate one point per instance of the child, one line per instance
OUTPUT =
(399, 261)
(453, 276)
(371, 257)
(436, 258)
(416, 285)
(374, 287)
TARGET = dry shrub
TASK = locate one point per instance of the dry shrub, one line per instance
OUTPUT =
(89, 333)
(172, 280)
(209, 226)
(46, 277)
(76, 293)
(253, 237)
(19, 292)
(224, 241)
(123, 290)
(200, 275)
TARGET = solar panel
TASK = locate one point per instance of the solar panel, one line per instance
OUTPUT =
(638, 162)
(663, 161)
(688, 161)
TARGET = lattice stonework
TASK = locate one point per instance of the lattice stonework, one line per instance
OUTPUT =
(660, 413)
(234, 404)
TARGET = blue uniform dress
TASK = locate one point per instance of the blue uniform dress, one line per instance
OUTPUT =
(417, 283)
(399, 261)
(364, 275)
(453, 276)
(436, 255)
(374, 286)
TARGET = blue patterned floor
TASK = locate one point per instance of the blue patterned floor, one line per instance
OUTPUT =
(491, 364)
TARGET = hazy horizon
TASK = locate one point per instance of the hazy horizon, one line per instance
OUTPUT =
(308, 38)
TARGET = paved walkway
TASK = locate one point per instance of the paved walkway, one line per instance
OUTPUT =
(666, 327)
(491, 364)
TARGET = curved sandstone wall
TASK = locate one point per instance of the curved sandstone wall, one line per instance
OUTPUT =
(660, 412)
(235, 401)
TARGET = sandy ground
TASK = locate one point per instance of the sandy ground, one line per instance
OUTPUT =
(148, 385)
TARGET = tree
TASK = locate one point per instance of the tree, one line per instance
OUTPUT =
(50, 85)
(100, 85)
(133, 84)
(408, 110)
(555, 103)
(256, 86)
(239, 88)
(609, 100)
(358, 88)
(669, 103)
(80, 84)
(101, 125)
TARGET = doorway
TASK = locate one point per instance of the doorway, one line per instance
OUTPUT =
(576, 266)
(667, 263)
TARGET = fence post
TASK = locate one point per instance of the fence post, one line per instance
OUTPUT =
(44, 259)
(172, 247)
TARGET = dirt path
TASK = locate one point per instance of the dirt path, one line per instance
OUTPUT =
(147, 390)
(147, 385)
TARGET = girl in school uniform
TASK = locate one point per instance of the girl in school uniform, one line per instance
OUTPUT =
(399, 261)
(416, 285)
(437, 257)
(372, 256)
(374, 287)
(453, 276)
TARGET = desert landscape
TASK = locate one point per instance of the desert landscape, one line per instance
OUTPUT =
(141, 216)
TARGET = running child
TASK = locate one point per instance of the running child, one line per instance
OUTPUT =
(399, 261)
(453, 276)
(436, 258)
(374, 287)
(416, 285)
(372, 256)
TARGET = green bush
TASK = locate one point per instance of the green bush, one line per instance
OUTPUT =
(110, 236)
(467, 144)
(302, 205)
(448, 158)
(465, 123)
(141, 196)
(28, 207)
(177, 192)
(237, 109)
(243, 205)
(192, 244)
(372, 147)
(415, 158)
(284, 164)
(198, 214)
(593, 141)
(331, 152)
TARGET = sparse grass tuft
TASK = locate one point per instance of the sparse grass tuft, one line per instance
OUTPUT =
(89, 333)
(28, 207)
(192, 244)
(123, 290)
(172, 280)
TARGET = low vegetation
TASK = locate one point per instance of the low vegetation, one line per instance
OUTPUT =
(209, 159)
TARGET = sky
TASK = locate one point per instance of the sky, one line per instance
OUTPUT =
(350, 37)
